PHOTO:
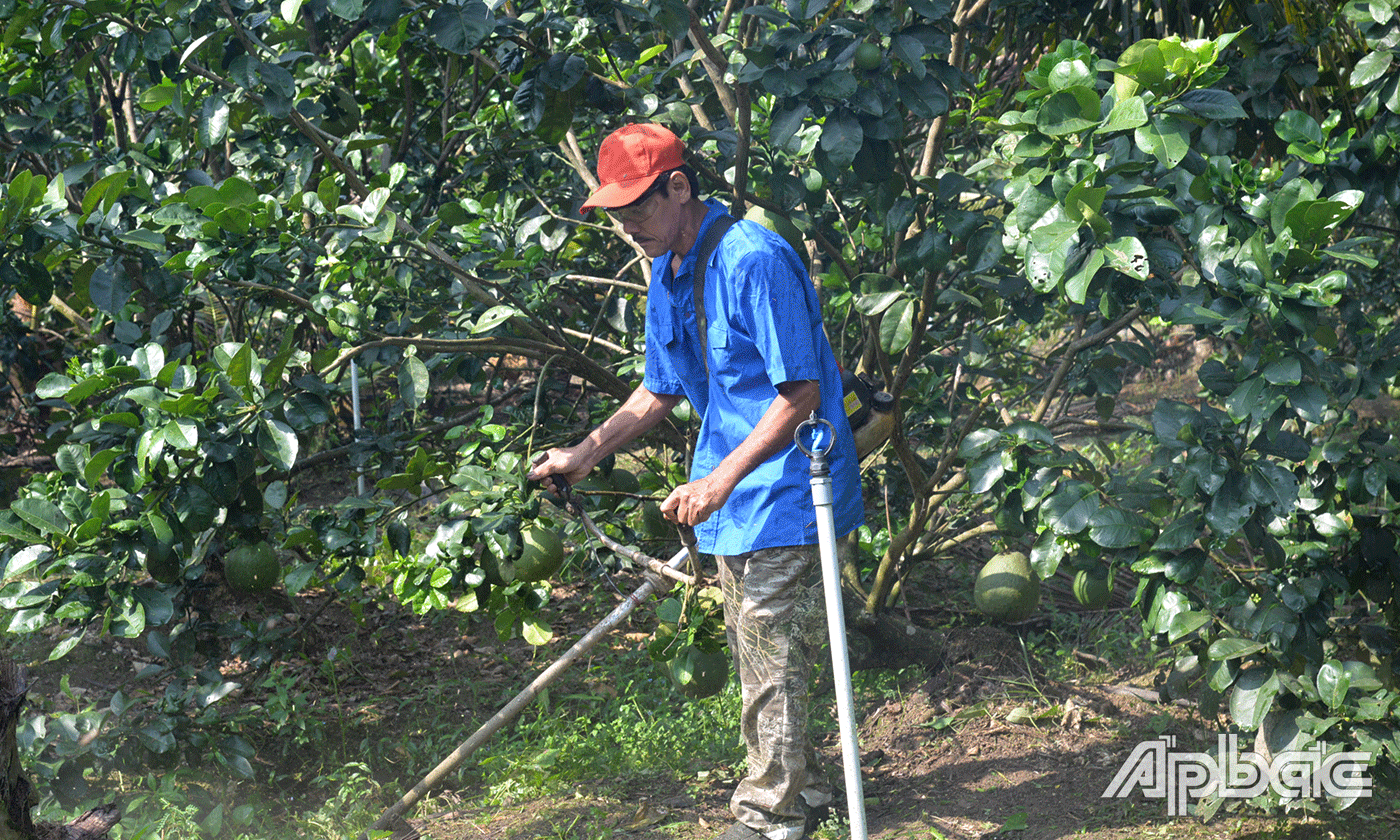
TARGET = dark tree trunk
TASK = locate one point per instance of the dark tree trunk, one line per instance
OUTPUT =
(16, 793)
(15, 790)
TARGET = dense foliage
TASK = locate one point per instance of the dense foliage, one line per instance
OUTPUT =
(224, 220)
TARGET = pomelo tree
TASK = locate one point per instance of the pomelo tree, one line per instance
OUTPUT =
(226, 224)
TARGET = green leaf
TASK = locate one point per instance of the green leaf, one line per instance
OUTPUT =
(414, 382)
(305, 411)
(897, 326)
(213, 121)
(62, 649)
(25, 621)
(1333, 682)
(1245, 398)
(54, 386)
(1128, 255)
(156, 604)
(494, 317)
(1166, 138)
(1230, 505)
(1016, 822)
(977, 443)
(1272, 485)
(985, 472)
(1077, 287)
(182, 433)
(25, 559)
(1300, 128)
(351, 10)
(1310, 401)
(1167, 605)
(1068, 111)
(1071, 507)
(97, 465)
(240, 367)
(299, 577)
(1213, 104)
(842, 138)
(535, 631)
(1371, 67)
(106, 192)
(109, 288)
(1115, 528)
(31, 280)
(1127, 114)
(877, 302)
(1180, 534)
(1253, 697)
(1313, 221)
(786, 123)
(1233, 647)
(460, 27)
(1285, 371)
(1185, 623)
(924, 95)
(1331, 525)
(42, 514)
(1029, 431)
(278, 443)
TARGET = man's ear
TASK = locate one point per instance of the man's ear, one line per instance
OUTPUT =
(679, 186)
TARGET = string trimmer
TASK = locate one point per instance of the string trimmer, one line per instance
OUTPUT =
(510, 711)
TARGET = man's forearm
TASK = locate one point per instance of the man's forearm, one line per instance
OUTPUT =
(794, 403)
(634, 418)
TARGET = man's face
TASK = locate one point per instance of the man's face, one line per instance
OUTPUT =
(653, 222)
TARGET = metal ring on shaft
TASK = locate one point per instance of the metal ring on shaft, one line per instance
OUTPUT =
(814, 420)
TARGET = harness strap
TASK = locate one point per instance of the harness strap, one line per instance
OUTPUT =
(716, 232)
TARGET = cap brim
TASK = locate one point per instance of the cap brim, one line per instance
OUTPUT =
(618, 194)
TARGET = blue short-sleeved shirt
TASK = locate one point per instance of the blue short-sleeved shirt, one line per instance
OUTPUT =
(765, 328)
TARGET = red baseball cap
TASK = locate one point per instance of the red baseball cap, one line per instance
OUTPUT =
(629, 161)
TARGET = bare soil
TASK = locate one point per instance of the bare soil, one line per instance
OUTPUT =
(987, 747)
(990, 744)
(997, 742)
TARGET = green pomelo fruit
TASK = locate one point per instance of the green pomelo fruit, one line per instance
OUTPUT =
(697, 673)
(1007, 588)
(498, 572)
(252, 568)
(163, 564)
(1093, 588)
(597, 491)
(780, 225)
(541, 556)
(625, 482)
(868, 56)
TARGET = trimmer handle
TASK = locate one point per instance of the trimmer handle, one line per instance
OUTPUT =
(559, 486)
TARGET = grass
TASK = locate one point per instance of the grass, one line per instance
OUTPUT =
(326, 766)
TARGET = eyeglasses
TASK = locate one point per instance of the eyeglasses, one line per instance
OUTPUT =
(640, 210)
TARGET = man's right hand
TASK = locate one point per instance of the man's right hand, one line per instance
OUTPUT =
(568, 464)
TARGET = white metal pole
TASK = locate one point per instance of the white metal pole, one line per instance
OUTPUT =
(511, 710)
(836, 628)
(355, 411)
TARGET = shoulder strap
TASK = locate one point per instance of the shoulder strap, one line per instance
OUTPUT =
(716, 232)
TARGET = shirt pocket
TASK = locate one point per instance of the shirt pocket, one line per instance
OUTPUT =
(677, 340)
(724, 365)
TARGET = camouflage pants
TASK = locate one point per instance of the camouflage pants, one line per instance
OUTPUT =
(775, 622)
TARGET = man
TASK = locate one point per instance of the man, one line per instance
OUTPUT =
(764, 367)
